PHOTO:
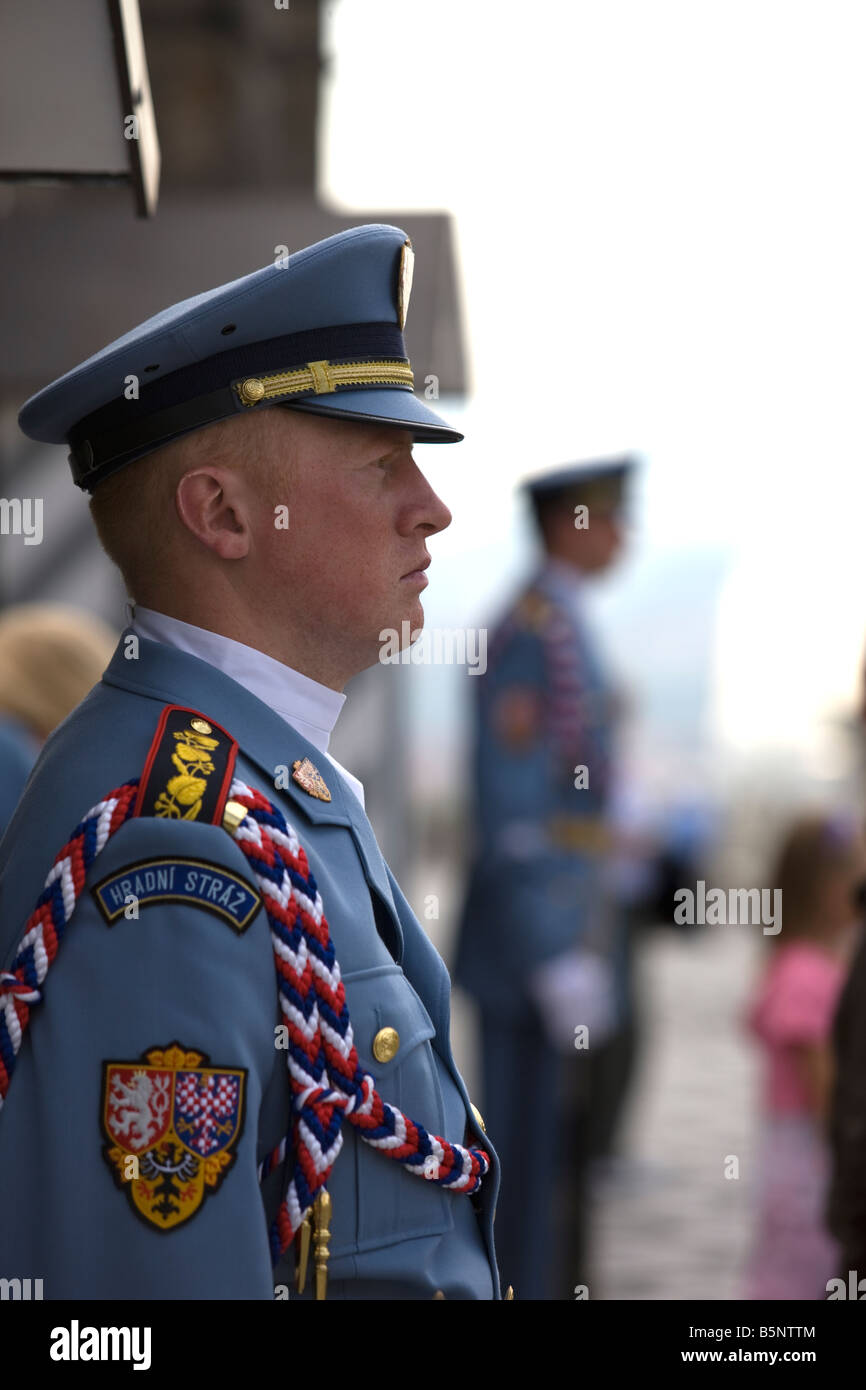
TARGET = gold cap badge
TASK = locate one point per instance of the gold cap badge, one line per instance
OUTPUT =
(310, 779)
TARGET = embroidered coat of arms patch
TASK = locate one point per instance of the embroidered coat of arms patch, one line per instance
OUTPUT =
(172, 1122)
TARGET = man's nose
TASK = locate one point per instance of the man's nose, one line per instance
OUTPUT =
(428, 508)
(442, 513)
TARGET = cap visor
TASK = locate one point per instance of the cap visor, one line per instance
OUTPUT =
(386, 407)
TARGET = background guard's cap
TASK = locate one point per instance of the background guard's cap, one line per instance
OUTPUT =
(319, 331)
(598, 483)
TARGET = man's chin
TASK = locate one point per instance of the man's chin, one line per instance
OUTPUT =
(411, 622)
(402, 630)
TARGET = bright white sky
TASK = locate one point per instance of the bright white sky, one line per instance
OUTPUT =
(661, 226)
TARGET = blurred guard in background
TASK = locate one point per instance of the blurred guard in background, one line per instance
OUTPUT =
(50, 656)
(542, 947)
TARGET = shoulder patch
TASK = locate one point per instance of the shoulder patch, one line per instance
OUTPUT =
(176, 879)
(518, 717)
(172, 1122)
(534, 611)
(188, 770)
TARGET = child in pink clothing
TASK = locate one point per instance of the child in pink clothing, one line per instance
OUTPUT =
(821, 863)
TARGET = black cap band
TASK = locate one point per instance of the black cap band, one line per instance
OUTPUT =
(202, 394)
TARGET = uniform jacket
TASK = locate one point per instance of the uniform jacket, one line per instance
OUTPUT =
(180, 974)
(544, 709)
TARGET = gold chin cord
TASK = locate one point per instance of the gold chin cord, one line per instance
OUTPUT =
(315, 1232)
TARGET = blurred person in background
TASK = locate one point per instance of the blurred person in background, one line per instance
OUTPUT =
(542, 945)
(822, 859)
(846, 1203)
(50, 657)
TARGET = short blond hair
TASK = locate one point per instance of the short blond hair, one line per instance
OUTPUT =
(130, 508)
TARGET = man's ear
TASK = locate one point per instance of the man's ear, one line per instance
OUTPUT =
(210, 503)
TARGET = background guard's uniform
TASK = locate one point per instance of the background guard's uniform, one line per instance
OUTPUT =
(184, 973)
(537, 890)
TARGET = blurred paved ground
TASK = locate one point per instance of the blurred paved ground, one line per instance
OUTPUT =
(676, 1227)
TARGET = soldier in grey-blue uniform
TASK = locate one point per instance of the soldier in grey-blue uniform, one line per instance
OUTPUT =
(265, 549)
(541, 947)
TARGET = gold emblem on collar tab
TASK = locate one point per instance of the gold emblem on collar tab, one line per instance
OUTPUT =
(310, 779)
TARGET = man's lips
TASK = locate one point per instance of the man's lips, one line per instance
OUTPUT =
(417, 574)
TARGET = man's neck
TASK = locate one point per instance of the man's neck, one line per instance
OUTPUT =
(564, 562)
(564, 568)
(279, 647)
(283, 687)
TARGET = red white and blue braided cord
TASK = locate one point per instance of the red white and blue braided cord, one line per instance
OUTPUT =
(327, 1080)
(21, 985)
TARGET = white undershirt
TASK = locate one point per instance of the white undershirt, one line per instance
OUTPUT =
(310, 708)
(567, 582)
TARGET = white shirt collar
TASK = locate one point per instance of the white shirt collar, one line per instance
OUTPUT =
(310, 708)
(562, 581)
(562, 575)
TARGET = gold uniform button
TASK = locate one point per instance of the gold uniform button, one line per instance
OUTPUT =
(386, 1044)
(477, 1113)
(234, 813)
